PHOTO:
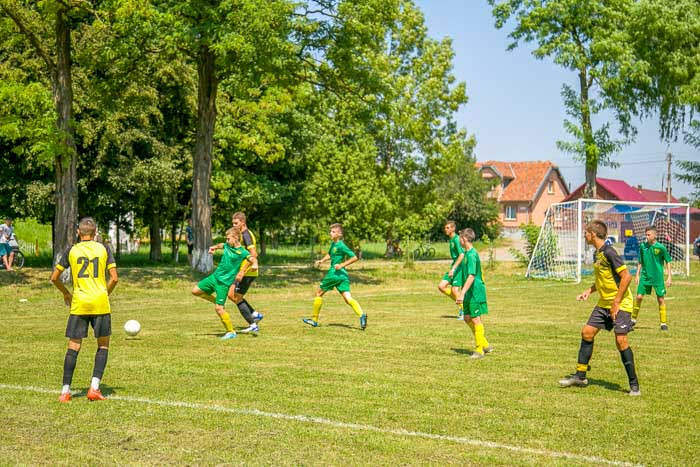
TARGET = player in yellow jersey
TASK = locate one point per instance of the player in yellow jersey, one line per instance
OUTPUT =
(613, 311)
(89, 262)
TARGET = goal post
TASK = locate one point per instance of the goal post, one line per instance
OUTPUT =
(561, 251)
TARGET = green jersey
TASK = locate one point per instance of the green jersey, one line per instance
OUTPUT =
(338, 251)
(652, 258)
(472, 267)
(230, 264)
(455, 248)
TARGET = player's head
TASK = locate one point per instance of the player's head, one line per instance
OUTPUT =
(233, 236)
(595, 230)
(450, 226)
(8, 220)
(466, 236)
(87, 228)
(650, 234)
(189, 221)
(238, 220)
(336, 231)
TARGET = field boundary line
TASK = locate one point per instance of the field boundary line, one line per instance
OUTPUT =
(348, 425)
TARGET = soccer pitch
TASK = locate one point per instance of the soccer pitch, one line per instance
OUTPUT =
(402, 392)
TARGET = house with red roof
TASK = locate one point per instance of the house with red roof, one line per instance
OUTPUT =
(618, 190)
(524, 190)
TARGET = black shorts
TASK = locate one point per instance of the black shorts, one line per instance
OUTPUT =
(190, 247)
(244, 284)
(600, 318)
(77, 327)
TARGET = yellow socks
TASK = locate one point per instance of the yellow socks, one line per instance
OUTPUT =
(447, 292)
(318, 301)
(226, 321)
(355, 307)
(635, 310)
(479, 338)
(662, 313)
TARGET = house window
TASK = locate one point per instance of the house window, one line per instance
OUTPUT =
(510, 212)
(550, 187)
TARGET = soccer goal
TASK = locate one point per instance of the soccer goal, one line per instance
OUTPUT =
(561, 251)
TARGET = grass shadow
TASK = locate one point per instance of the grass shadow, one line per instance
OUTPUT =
(606, 385)
(106, 390)
(17, 276)
(341, 325)
(462, 351)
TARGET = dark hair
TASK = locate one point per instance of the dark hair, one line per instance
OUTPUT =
(651, 228)
(452, 223)
(598, 228)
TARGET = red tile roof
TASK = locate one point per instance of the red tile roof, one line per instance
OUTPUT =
(655, 196)
(526, 177)
(622, 191)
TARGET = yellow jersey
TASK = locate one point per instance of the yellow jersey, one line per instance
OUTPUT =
(607, 268)
(89, 262)
(248, 241)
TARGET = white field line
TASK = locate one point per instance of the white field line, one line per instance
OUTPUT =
(351, 426)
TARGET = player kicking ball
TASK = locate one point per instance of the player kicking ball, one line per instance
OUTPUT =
(472, 296)
(214, 288)
(337, 277)
(650, 274)
(613, 311)
(453, 279)
(89, 262)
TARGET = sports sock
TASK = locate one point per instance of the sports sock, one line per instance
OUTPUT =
(226, 321)
(66, 389)
(69, 366)
(100, 364)
(628, 360)
(662, 313)
(635, 310)
(447, 292)
(355, 307)
(479, 337)
(246, 311)
(585, 352)
(318, 301)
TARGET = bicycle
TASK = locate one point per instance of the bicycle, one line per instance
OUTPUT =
(424, 251)
(18, 261)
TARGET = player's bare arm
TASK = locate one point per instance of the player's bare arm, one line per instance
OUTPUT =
(457, 264)
(639, 271)
(668, 279)
(318, 262)
(113, 279)
(56, 281)
(465, 287)
(213, 248)
(346, 263)
(586, 293)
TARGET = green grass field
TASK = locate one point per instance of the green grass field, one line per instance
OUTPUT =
(401, 392)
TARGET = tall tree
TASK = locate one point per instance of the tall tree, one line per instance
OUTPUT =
(591, 39)
(47, 26)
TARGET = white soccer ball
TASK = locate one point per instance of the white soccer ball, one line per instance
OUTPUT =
(132, 327)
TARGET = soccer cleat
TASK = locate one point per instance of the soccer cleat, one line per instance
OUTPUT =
(95, 395)
(461, 314)
(476, 355)
(363, 321)
(310, 322)
(664, 327)
(573, 380)
(257, 316)
(228, 335)
(488, 349)
(65, 397)
(634, 321)
(252, 328)
(634, 391)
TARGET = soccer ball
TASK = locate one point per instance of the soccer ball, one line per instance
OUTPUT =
(132, 327)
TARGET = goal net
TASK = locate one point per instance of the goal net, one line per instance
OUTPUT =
(561, 251)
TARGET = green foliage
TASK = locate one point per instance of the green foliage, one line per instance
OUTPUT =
(691, 168)
(531, 233)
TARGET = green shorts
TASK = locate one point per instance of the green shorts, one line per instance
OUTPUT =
(457, 279)
(476, 309)
(335, 281)
(212, 286)
(645, 289)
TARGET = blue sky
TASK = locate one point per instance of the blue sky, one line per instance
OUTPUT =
(515, 109)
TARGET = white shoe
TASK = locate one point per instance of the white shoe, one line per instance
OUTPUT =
(252, 328)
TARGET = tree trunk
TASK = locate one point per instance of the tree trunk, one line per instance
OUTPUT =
(66, 214)
(263, 245)
(118, 249)
(155, 253)
(590, 148)
(202, 261)
(173, 242)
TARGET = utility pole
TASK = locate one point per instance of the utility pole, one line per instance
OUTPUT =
(668, 178)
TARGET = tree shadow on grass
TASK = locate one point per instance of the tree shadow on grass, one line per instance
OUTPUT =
(24, 277)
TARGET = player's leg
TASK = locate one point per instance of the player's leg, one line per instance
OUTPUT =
(237, 294)
(316, 307)
(197, 292)
(11, 258)
(445, 287)
(660, 299)
(454, 292)
(76, 331)
(476, 311)
(225, 320)
(622, 327)
(344, 290)
(102, 326)
(4, 258)
(599, 319)
(642, 290)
